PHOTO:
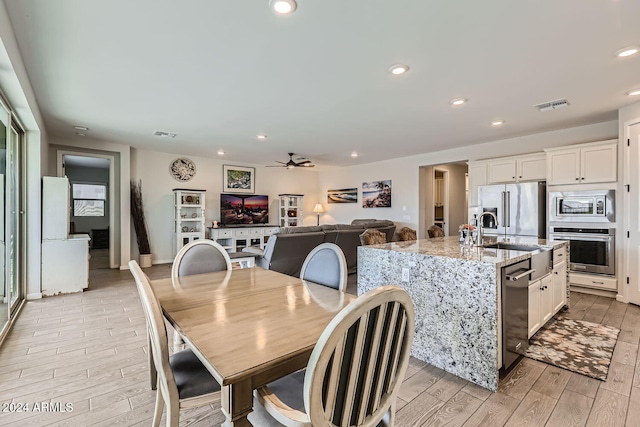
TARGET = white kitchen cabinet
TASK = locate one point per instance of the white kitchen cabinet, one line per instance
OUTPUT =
(65, 265)
(582, 164)
(546, 298)
(531, 167)
(534, 308)
(477, 174)
(540, 303)
(559, 285)
(502, 171)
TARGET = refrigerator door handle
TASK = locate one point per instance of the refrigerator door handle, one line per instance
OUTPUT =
(502, 209)
(508, 209)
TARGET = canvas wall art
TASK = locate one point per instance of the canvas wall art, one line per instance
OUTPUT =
(376, 194)
(344, 195)
(238, 179)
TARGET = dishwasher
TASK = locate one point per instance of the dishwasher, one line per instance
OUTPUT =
(515, 304)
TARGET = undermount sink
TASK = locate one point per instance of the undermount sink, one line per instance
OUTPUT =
(512, 247)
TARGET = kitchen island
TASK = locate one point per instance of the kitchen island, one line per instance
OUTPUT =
(457, 298)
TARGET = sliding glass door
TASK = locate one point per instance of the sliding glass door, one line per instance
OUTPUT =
(10, 215)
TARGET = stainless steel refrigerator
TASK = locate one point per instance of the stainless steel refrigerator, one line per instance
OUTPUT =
(520, 209)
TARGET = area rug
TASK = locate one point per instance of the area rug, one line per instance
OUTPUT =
(575, 345)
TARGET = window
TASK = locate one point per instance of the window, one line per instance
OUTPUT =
(89, 199)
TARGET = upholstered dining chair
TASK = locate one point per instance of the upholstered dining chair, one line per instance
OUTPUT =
(183, 381)
(326, 265)
(355, 370)
(200, 256)
(435, 231)
(197, 257)
(371, 236)
(406, 233)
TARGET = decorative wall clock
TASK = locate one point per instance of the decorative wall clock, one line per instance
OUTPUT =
(182, 169)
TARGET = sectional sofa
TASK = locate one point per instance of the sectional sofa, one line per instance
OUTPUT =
(287, 248)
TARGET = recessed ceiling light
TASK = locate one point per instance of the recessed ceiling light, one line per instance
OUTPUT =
(220, 152)
(261, 136)
(354, 154)
(497, 123)
(81, 128)
(634, 92)
(398, 69)
(458, 101)
(80, 134)
(627, 51)
(283, 7)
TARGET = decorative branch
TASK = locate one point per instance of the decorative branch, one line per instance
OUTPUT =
(137, 214)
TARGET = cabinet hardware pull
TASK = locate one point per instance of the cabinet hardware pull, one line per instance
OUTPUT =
(582, 178)
(577, 179)
(546, 287)
(597, 283)
(542, 289)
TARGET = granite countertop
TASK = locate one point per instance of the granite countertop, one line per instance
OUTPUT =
(450, 247)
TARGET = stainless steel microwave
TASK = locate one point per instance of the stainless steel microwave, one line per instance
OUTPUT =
(582, 206)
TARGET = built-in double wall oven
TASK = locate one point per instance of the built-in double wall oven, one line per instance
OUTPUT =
(587, 220)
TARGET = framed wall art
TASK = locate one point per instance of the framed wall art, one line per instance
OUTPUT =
(238, 179)
(343, 195)
(376, 194)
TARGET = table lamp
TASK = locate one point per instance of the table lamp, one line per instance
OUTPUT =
(318, 209)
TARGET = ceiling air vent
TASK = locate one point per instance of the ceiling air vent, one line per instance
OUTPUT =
(162, 134)
(552, 105)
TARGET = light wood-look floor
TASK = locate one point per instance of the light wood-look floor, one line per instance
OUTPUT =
(89, 349)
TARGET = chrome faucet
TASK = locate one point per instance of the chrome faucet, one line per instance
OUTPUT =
(480, 228)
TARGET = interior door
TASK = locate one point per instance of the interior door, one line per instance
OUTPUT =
(632, 208)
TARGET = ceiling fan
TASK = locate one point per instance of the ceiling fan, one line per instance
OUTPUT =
(291, 164)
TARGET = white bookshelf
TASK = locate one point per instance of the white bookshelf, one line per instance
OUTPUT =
(188, 216)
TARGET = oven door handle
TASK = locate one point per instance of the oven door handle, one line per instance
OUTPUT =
(589, 237)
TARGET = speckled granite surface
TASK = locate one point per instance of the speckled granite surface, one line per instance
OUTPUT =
(455, 293)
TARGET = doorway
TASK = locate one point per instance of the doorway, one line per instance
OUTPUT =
(443, 197)
(92, 207)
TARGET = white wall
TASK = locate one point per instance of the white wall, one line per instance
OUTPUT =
(404, 172)
(14, 82)
(152, 168)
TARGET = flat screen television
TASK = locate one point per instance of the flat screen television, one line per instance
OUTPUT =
(244, 209)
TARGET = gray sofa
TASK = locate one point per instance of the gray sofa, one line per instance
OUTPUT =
(287, 248)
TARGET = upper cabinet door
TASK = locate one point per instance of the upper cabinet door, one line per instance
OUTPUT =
(563, 167)
(533, 168)
(477, 176)
(599, 164)
(502, 171)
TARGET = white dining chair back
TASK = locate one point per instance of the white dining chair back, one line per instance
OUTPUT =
(200, 256)
(182, 380)
(326, 265)
(355, 370)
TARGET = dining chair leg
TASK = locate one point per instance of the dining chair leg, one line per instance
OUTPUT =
(173, 413)
(157, 412)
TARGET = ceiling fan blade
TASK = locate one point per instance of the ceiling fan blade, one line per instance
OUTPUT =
(276, 166)
(302, 163)
(283, 163)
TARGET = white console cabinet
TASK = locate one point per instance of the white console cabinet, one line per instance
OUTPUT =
(237, 238)
(593, 162)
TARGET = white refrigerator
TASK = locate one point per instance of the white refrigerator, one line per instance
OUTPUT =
(65, 257)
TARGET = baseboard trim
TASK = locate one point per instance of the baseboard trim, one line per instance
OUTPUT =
(35, 295)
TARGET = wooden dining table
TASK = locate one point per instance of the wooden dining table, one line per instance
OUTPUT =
(248, 326)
